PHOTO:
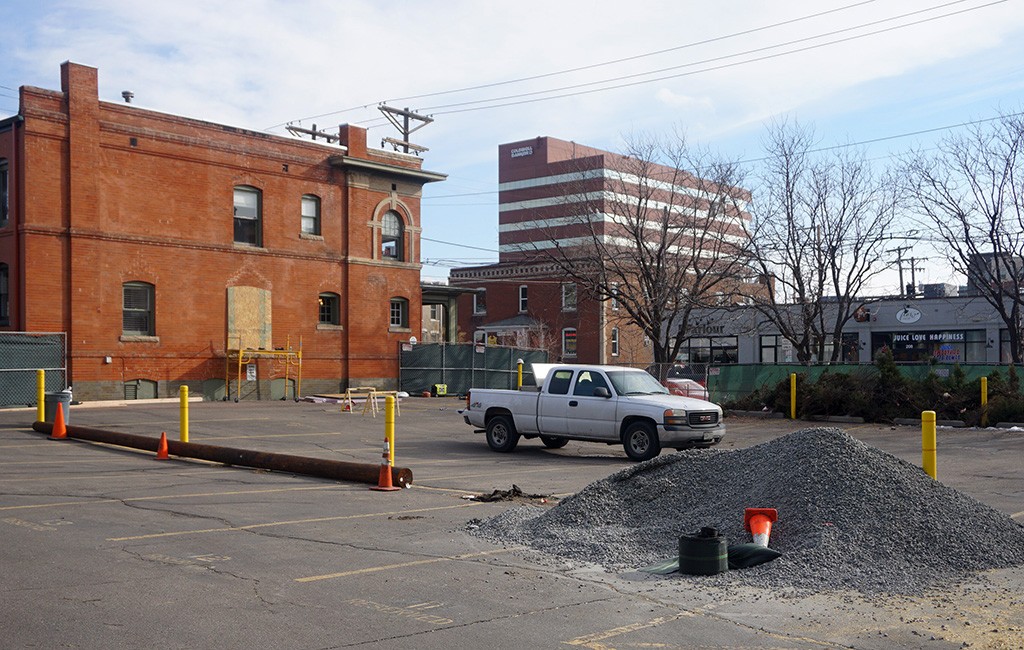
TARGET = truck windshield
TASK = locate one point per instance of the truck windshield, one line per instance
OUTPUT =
(635, 382)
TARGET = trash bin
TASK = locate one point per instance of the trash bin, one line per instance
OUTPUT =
(62, 397)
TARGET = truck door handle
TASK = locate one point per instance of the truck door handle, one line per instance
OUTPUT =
(573, 403)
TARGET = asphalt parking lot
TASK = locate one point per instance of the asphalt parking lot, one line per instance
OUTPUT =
(105, 547)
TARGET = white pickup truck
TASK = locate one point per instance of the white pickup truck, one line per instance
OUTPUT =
(610, 404)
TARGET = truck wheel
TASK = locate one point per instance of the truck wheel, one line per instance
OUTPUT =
(641, 441)
(554, 443)
(501, 434)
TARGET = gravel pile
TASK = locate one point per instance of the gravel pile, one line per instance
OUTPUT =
(850, 517)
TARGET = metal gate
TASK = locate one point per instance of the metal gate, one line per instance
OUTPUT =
(461, 366)
(21, 355)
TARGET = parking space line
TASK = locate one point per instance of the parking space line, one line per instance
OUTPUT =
(403, 565)
(594, 640)
(271, 524)
(104, 477)
(167, 496)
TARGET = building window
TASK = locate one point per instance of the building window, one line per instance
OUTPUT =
(615, 341)
(4, 201)
(480, 301)
(615, 296)
(5, 299)
(248, 213)
(137, 315)
(311, 214)
(569, 342)
(399, 313)
(391, 229)
(522, 299)
(569, 297)
(330, 309)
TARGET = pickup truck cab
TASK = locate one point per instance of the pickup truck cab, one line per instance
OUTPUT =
(610, 404)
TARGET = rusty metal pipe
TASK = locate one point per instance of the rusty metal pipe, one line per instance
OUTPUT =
(319, 467)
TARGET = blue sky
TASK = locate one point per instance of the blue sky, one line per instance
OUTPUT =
(863, 74)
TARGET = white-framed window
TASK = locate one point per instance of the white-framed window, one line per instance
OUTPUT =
(615, 296)
(569, 342)
(138, 314)
(310, 214)
(391, 232)
(480, 301)
(615, 341)
(399, 313)
(329, 308)
(248, 216)
(523, 298)
(569, 296)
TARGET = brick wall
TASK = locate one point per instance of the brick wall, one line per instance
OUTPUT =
(116, 194)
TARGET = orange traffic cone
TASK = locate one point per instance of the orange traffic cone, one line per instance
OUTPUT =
(161, 450)
(59, 432)
(384, 479)
(758, 521)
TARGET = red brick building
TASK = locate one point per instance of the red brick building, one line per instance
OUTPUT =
(554, 193)
(160, 244)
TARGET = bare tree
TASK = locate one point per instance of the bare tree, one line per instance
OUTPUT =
(971, 192)
(821, 226)
(660, 229)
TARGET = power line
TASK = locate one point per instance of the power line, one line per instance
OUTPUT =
(651, 72)
(450, 243)
(691, 73)
(592, 66)
(581, 68)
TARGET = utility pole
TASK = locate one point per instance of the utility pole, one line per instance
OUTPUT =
(404, 127)
(899, 262)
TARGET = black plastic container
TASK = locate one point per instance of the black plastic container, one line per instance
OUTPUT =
(703, 554)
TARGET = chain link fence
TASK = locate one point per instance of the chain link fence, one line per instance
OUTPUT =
(461, 366)
(21, 355)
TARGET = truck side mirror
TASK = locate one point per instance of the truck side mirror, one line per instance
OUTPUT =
(601, 391)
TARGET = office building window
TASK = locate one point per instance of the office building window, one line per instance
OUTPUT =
(569, 297)
(569, 342)
(248, 209)
(330, 309)
(311, 214)
(615, 296)
(615, 341)
(480, 301)
(523, 304)
(391, 231)
(138, 309)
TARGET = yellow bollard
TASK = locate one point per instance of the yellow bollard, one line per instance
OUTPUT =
(183, 396)
(519, 374)
(40, 395)
(984, 401)
(792, 396)
(389, 427)
(928, 443)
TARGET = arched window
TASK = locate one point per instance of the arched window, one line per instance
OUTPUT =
(311, 214)
(391, 232)
(248, 216)
(138, 314)
(330, 309)
(399, 313)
